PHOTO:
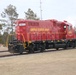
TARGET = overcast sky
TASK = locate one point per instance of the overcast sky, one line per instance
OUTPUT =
(52, 9)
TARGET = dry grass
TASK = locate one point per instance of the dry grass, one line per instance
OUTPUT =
(47, 63)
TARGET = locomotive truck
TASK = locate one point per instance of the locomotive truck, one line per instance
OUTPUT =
(38, 35)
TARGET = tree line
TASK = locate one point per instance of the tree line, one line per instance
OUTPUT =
(10, 12)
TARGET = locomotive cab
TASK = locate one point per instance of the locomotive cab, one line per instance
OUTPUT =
(69, 31)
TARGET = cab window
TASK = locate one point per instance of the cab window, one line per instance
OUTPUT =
(69, 27)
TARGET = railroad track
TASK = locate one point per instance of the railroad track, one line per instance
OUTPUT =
(5, 53)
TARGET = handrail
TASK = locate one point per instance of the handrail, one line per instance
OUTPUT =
(23, 37)
(8, 39)
(24, 41)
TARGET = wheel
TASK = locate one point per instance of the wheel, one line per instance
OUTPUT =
(11, 49)
(57, 48)
(42, 48)
(73, 45)
(65, 47)
(21, 49)
(31, 49)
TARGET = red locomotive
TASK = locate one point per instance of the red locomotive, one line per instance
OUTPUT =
(32, 35)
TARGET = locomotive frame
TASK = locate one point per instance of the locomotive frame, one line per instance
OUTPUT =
(39, 35)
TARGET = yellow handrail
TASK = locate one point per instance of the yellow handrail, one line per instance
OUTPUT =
(24, 41)
(23, 37)
(8, 39)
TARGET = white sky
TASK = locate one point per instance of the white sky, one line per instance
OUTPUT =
(52, 9)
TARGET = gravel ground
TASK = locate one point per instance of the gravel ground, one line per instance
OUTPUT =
(4, 51)
(47, 63)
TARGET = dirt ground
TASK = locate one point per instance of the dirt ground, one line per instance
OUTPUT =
(3, 48)
(47, 63)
